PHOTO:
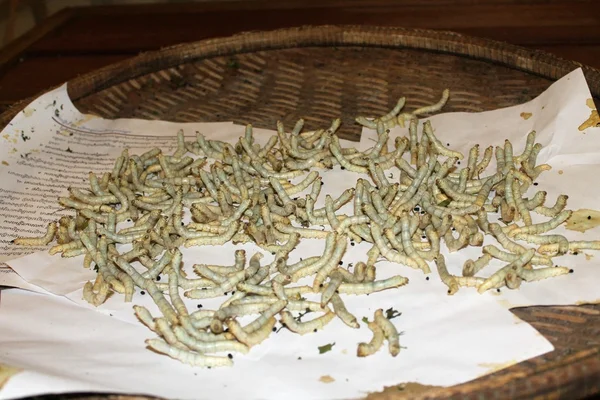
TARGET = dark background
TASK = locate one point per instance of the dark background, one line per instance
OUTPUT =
(74, 41)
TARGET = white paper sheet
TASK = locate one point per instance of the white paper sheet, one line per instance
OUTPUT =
(81, 350)
(429, 316)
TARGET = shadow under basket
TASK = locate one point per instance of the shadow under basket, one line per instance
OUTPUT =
(326, 72)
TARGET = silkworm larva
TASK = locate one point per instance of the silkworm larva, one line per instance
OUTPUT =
(271, 311)
(340, 310)
(145, 317)
(44, 240)
(118, 238)
(500, 163)
(389, 331)
(206, 272)
(495, 252)
(537, 200)
(388, 253)
(216, 240)
(561, 203)
(303, 232)
(299, 270)
(522, 209)
(367, 349)
(59, 248)
(225, 287)
(304, 305)
(408, 246)
(561, 241)
(188, 357)
(337, 255)
(96, 293)
(254, 338)
(371, 287)
(469, 281)
(303, 328)
(528, 148)
(334, 283)
(530, 275)
(446, 278)
(500, 275)
(174, 294)
(536, 229)
(208, 347)
(437, 145)
(508, 244)
(164, 329)
(350, 221)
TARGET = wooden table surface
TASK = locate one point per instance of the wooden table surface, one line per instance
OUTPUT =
(78, 40)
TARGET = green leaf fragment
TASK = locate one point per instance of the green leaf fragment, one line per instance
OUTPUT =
(444, 203)
(325, 348)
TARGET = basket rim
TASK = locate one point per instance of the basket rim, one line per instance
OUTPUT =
(535, 62)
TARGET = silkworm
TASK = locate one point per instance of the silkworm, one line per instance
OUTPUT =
(530, 275)
(371, 287)
(302, 328)
(469, 281)
(536, 229)
(446, 278)
(367, 349)
(437, 145)
(522, 209)
(334, 283)
(389, 332)
(340, 310)
(332, 263)
(254, 338)
(500, 275)
(561, 203)
(44, 240)
(508, 244)
(188, 357)
(495, 252)
(145, 317)
(561, 241)
(225, 287)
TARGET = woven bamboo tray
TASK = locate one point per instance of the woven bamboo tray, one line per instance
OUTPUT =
(320, 73)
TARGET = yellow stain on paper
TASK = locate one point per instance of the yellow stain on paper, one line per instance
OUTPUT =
(495, 367)
(9, 139)
(326, 379)
(4, 162)
(590, 103)
(583, 219)
(28, 112)
(7, 372)
(526, 115)
(505, 303)
(560, 172)
(84, 119)
(592, 121)
(588, 257)
(583, 303)
(14, 150)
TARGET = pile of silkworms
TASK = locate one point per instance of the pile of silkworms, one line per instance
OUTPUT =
(243, 192)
